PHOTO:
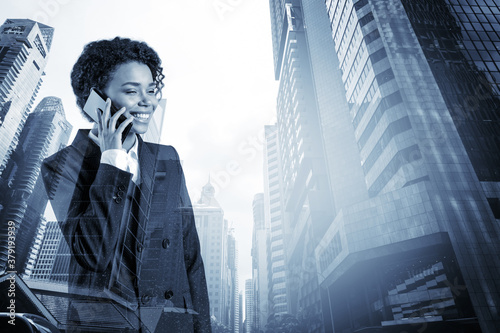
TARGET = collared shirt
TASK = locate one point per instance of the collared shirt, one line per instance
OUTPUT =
(123, 160)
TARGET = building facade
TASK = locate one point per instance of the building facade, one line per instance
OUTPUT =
(305, 195)
(213, 232)
(406, 96)
(240, 311)
(273, 215)
(45, 265)
(420, 82)
(24, 49)
(232, 302)
(260, 262)
(249, 307)
(23, 193)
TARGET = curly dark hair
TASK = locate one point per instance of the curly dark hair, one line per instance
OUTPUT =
(99, 60)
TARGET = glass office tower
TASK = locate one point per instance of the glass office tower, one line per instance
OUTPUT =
(260, 273)
(22, 191)
(306, 199)
(418, 250)
(24, 49)
(277, 298)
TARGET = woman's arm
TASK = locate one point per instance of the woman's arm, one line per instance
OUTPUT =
(91, 212)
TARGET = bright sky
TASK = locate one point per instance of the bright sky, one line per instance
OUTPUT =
(220, 87)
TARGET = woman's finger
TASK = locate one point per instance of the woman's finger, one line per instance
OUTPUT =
(124, 124)
(114, 118)
(107, 113)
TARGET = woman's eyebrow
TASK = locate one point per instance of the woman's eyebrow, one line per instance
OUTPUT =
(133, 83)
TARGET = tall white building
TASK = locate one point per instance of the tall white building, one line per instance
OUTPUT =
(249, 306)
(232, 302)
(260, 262)
(212, 231)
(277, 298)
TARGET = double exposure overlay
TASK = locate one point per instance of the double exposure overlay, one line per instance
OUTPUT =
(380, 201)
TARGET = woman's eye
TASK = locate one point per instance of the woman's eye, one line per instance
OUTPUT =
(130, 92)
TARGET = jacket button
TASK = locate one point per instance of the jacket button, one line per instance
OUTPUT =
(145, 299)
(121, 187)
(120, 193)
(169, 294)
(165, 243)
(140, 247)
(118, 199)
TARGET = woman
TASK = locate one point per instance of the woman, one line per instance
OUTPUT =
(123, 205)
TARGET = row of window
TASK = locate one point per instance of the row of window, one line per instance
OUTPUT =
(354, 67)
(385, 104)
(336, 13)
(351, 23)
(474, 2)
(279, 257)
(374, 58)
(396, 127)
(279, 280)
(371, 92)
(351, 49)
(379, 79)
(401, 158)
(331, 252)
(276, 227)
(473, 9)
(361, 80)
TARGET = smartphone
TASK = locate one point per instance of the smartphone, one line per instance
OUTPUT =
(96, 102)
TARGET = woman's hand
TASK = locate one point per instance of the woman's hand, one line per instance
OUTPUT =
(108, 136)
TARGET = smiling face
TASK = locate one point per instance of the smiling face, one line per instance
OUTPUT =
(132, 86)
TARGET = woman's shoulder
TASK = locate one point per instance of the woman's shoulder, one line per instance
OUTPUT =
(164, 151)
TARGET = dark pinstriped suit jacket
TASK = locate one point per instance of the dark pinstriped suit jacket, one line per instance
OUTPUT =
(135, 249)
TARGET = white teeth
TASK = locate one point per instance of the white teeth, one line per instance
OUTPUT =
(141, 115)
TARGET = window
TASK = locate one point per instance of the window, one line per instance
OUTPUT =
(495, 206)
(366, 19)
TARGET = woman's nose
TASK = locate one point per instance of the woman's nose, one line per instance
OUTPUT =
(145, 99)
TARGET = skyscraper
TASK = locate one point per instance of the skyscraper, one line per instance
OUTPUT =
(273, 215)
(406, 94)
(23, 193)
(249, 306)
(47, 255)
(420, 99)
(213, 231)
(24, 48)
(240, 311)
(260, 272)
(232, 302)
(306, 197)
